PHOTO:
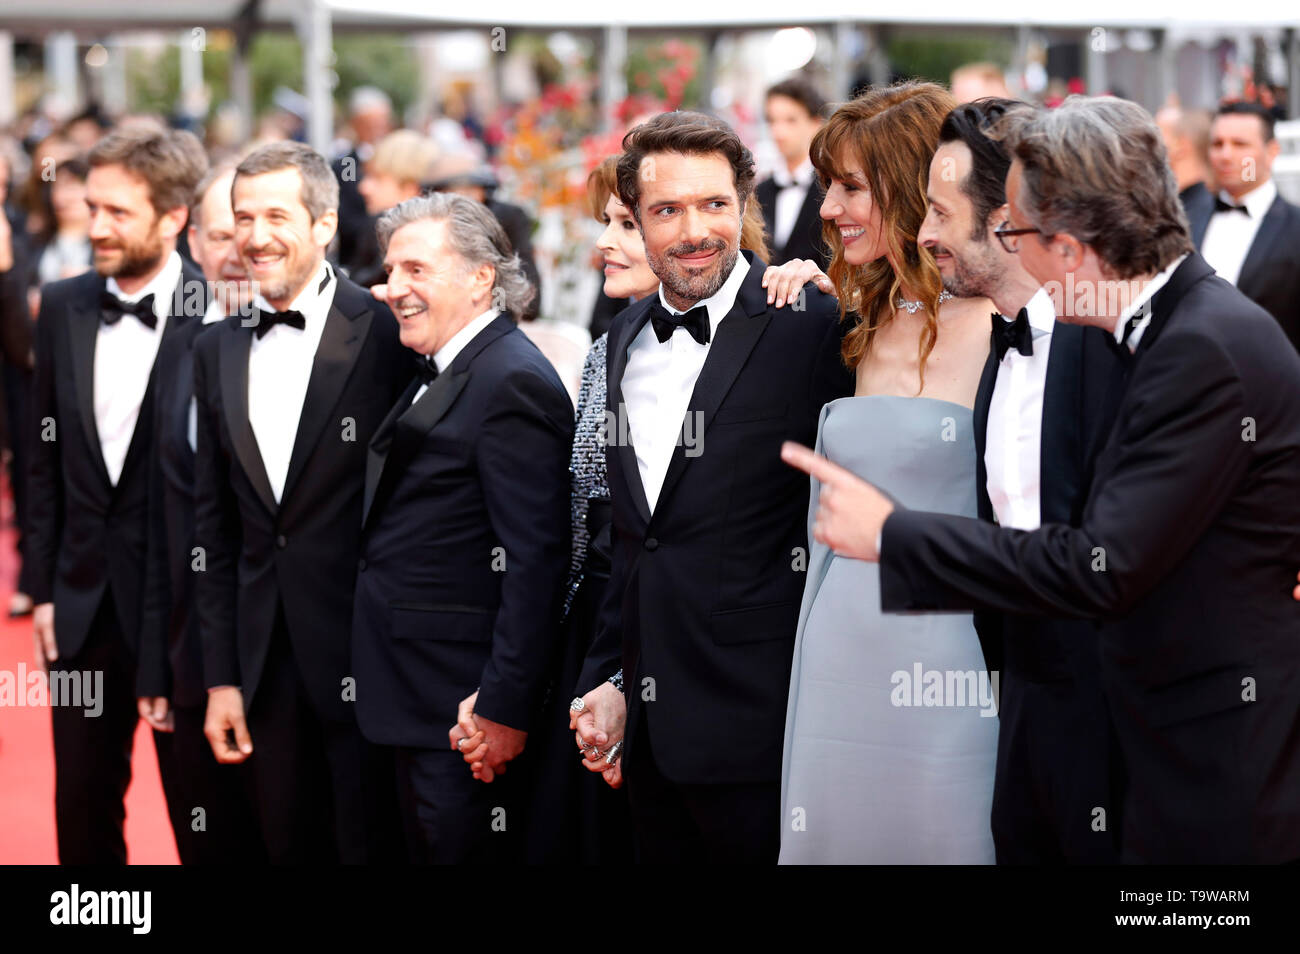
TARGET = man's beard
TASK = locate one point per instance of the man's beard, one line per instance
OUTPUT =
(688, 287)
(974, 277)
(138, 259)
(287, 288)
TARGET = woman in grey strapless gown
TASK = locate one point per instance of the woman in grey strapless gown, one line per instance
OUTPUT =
(873, 774)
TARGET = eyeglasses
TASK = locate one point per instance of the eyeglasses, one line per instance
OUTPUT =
(1007, 235)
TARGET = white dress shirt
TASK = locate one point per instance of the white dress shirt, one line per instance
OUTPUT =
(124, 354)
(279, 368)
(1140, 302)
(444, 356)
(660, 378)
(791, 190)
(1229, 235)
(1013, 435)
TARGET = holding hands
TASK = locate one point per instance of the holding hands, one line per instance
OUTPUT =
(598, 720)
(486, 746)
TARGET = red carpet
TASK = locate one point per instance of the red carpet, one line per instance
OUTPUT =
(27, 763)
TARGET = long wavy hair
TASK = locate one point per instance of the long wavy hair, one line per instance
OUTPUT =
(890, 134)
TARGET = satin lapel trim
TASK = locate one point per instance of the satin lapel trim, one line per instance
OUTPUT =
(621, 336)
(83, 330)
(381, 444)
(336, 355)
(1060, 432)
(236, 343)
(173, 333)
(1268, 236)
(735, 339)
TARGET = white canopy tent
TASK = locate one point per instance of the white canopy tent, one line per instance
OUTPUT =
(316, 20)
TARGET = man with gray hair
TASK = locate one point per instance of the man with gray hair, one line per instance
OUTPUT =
(1186, 550)
(465, 536)
(288, 398)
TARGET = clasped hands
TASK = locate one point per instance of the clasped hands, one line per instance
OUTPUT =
(598, 731)
(486, 746)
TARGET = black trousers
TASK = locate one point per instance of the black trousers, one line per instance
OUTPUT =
(451, 818)
(323, 794)
(730, 823)
(94, 714)
(1057, 765)
(210, 804)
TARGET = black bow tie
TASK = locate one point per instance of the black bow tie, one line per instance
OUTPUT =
(112, 308)
(425, 369)
(1013, 334)
(1221, 206)
(695, 321)
(266, 320)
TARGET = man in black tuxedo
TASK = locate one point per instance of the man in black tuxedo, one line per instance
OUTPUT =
(1188, 542)
(791, 198)
(224, 830)
(465, 537)
(705, 381)
(100, 339)
(288, 399)
(1038, 414)
(1250, 235)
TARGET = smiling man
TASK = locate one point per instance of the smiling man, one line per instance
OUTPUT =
(1186, 547)
(466, 536)
(703, 598)
(99, 340)
(288, 399)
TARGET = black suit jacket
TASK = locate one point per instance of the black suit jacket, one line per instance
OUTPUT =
(805, 239)
(88, 536)
(300, 554)
(1270, 275)
(704, 594)
(171, 653)
(1084, 379)
(1186, 555)
(465, 546)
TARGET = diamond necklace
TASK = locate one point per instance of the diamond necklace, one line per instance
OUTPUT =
(913, 307)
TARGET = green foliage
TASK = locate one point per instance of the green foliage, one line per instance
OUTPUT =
(927, 56)
(275, 59)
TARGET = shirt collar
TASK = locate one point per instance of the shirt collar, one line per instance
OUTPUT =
(162, 287)
(721, 302)
(802, 176)
(213, 314)
(1042, 314)
(1257, 201)
(1143, 297)
(445, 355)
(315, 298)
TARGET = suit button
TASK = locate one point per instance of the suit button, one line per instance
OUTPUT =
(282, 541)
(362, 565)
(651, 544)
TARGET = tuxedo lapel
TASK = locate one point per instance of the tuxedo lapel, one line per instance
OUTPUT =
(83, 329)
(621, 335)
(734, 340)
(381, 444)
(1059, 432)
(398, 438)
(236, 342)
(170, 350)
(983, 397)
(1270, 234)
(336, 355)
